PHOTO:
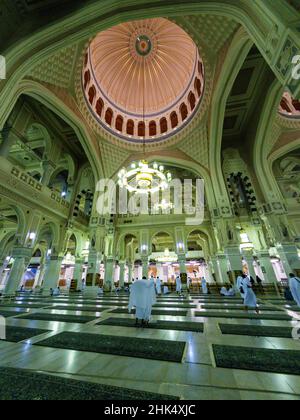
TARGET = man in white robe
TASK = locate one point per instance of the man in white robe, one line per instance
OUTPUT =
(158, 286)
(204, 286)
(294, 283)
(56, 291)
(178, 285)
(142, 297)
(250, 300)
(239, 286)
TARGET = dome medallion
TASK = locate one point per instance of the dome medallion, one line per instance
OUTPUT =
(143, 80)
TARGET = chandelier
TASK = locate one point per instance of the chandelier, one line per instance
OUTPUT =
(143, 178)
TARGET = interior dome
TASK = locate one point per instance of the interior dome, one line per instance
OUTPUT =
(143, 79)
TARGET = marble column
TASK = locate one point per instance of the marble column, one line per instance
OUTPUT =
(182, 263)
(267, 269)
(145, 261)
(235, 262)
(109, 274)
(93, 268)
(215, 266)
(78, 271)
(122, 265)
(130, 272)
(52, 272)
(21, 258)
(289, 256)
(7, 142)
(222, 269)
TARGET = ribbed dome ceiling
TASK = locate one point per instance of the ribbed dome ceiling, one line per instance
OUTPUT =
(143, 70)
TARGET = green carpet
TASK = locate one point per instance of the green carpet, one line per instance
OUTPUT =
(171, 351)
(262, 360)
(22, 385)
(16, 334)
(60, 318)
(22, 306)
(154, 312)
(270, 317)
(8, 314)
(157, 325)
(80, 308)
(239, 308)
(256, 331)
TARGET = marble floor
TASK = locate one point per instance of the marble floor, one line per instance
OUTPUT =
(196, 378)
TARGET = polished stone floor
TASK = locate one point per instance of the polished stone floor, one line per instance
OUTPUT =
(197, 377)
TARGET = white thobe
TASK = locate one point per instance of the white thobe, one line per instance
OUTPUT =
(56, 292)
(204, 287)
(294, 284)
(158, 286)
(178, 284)
(250, 298)
(142, 297)
(239, 284)
(223, 291)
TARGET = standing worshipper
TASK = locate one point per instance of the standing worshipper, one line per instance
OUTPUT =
(178, 285)
(204, 286)
(239, 286)
(250, 300)
(294, 284)
(158, 286)
(188, 284)
(142, 297)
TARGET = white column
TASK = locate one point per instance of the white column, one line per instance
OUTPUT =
(223, 269)
(21, 258)
(145, 262)
(267, 269)
(122, 265)
(78, 272)
(109, 274)
(52, 273)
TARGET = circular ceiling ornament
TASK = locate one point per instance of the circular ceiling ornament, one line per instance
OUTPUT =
(143, 80)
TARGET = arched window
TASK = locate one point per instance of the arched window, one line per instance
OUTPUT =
(192, 100)
(200, 68)
(152, 128)
(130, 128)
(99, 107)
(92, 94)
(109, 116)
(296, 104)
(86, 59)
(174, 119)
(119, 123)
(141, 129)
(198, 86)
(87, 78)
(183, 111)
(284, 105)
(163, 125)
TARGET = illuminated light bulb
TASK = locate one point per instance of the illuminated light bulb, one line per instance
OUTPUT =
(161, 168)
(133, 166)
(155, 166)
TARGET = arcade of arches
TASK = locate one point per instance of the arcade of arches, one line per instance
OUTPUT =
(205, 91)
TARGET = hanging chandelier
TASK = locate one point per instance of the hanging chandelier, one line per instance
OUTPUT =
(143, 178)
